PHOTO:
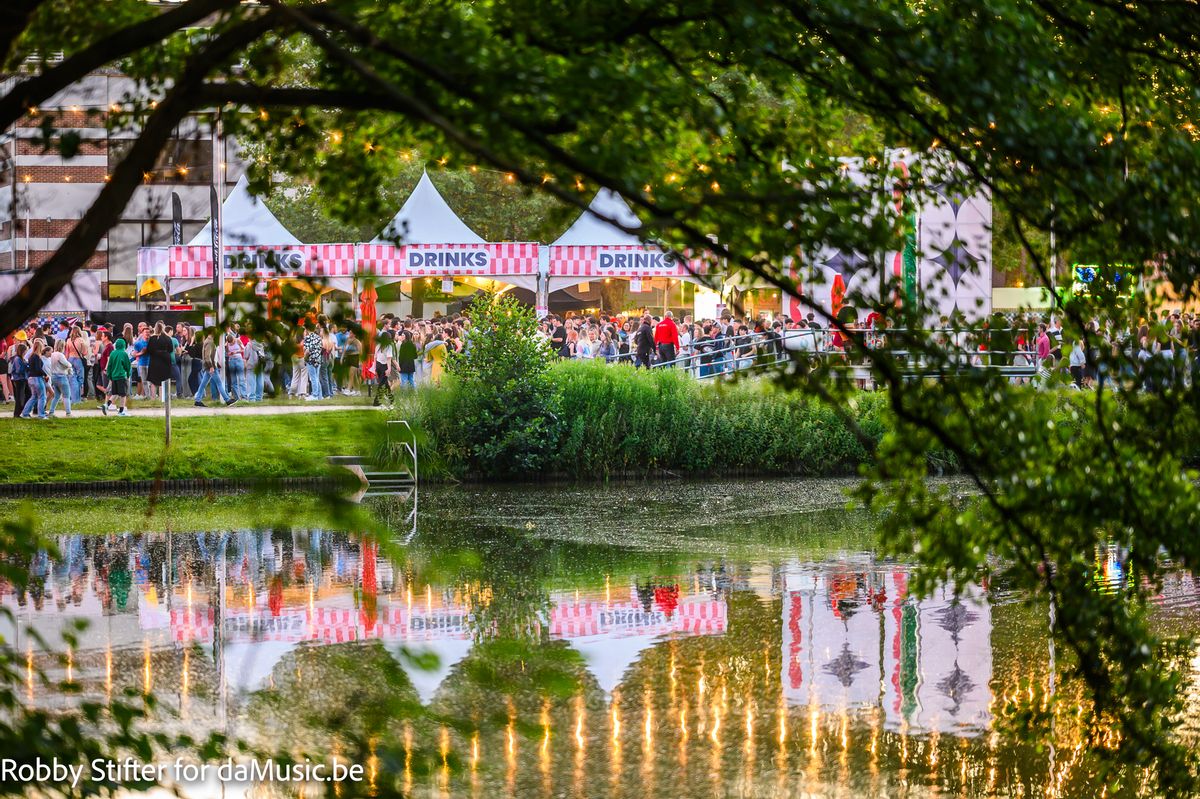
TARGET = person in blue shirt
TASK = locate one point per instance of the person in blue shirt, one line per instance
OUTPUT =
(141, 359)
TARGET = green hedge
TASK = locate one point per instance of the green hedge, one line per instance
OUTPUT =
(617, 421)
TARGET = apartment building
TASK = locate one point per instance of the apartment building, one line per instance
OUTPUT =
(43, 195)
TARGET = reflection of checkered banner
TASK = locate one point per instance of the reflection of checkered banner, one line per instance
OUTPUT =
(573, 260)
(320, 260)
(329, 625)
(581, 619)
(505, 258)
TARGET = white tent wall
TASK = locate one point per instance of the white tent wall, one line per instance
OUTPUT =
(954, 246)
(81, 294)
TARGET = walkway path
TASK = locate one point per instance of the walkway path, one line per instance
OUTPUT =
(185, 409)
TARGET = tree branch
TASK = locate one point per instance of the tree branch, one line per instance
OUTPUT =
(105, 211)
(36, 89)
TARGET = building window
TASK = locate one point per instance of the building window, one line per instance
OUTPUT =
(182, 161)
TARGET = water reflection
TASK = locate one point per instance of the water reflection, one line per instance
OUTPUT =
(696, 672)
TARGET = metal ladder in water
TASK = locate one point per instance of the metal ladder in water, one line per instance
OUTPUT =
(378, 481)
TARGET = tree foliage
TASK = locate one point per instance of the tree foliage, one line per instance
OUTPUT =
(1078, 116)
(505, 413)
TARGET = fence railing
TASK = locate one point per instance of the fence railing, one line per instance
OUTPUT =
(709, 359)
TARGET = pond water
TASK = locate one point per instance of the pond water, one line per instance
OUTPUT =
(708, 639)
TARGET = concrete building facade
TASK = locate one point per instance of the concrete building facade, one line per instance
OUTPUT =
(43, 195)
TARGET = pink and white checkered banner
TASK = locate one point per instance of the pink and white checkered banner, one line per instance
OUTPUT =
(330, 625)
(449, 260)
(628, 261)
(276, 260)
(617, 619)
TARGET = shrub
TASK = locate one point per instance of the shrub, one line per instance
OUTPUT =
(499, 415)
(618, 421)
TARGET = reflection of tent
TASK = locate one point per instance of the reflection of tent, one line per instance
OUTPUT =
(249, 665)
(449, 652)
(609, 658)
(245, 219)
(426, 218)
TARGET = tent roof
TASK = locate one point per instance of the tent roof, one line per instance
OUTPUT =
(449, 652)
(249, 665)
(426, 218)
(609, 658)
(591, 229)
(245, 219)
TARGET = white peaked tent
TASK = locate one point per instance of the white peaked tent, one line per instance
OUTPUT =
(426, 218)
(246, 220)
(597, 245)
(248, 665)
(592, 228)
(449, 651)
(608, 658)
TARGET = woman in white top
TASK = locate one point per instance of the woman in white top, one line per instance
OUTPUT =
(61, 372)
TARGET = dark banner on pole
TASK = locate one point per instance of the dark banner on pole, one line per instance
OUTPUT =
(176, 219)
(215, 203)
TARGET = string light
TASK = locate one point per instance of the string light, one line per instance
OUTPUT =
(510, 177)
(716, 186)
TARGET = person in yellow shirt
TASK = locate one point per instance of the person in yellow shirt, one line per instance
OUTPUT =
(435, 356)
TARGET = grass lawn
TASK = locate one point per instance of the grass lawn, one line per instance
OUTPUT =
(143, 514)
(110, 448)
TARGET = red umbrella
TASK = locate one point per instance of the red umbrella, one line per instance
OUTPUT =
(366, 310)
(837, 295)
(274, 300)
(793, 308)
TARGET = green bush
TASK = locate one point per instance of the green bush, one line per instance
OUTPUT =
(498, 417)
(617, 421)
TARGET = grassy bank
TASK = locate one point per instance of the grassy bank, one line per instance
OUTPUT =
(619, 422)
(231, 447)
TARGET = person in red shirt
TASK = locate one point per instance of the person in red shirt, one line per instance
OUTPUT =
(666, 336)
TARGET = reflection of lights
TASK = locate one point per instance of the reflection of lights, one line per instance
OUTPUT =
(428, 599)
(616, 722)
(70, 664)
(108, 670)
(29, 673)
(475, 751)
(607, 589)
(579, 714)
(186, 681)
(648, 725)
(147, 683)
(407, 759)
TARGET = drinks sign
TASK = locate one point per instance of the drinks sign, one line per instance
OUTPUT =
(285, 262)
(452, 261)
(636, 261)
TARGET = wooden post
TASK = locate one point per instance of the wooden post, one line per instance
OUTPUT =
(166, 387)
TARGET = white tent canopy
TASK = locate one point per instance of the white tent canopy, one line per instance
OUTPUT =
(248, 666)
(593, 228)
(608, 658)
(426, 218)
(449, 652)
(246, 220)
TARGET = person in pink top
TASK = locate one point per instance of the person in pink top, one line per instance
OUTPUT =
(1043, 344)
(666, 336)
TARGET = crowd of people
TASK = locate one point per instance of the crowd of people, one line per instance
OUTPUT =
(43, 369)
